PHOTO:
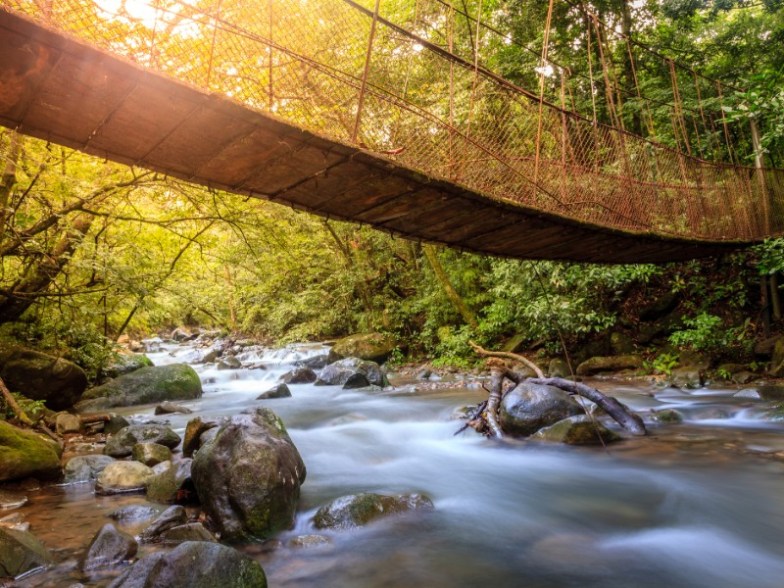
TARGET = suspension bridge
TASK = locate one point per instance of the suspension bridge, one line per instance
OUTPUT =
(347, 111)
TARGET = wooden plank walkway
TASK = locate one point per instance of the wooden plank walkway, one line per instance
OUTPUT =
(59, 89)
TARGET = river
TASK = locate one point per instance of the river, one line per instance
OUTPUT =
(697, 504)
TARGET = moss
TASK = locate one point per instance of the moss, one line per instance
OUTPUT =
(24, 454)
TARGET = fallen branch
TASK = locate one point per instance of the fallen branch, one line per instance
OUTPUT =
(14, 405)
(506, 355)
(471, 419)
(497, 370)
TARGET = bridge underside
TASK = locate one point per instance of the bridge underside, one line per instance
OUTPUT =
(61, 90)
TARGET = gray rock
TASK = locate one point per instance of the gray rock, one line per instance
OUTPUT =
(114, 424)
(125, 364)
(577, 430)
(338, 373)
(171, 408)
(529, 407)
(375, 347)
(177, 381)
(85, 468)
(687, 377)
(174, 516)
(248, 477)
(356, 380)
(187, 532)
(279, 391)
(122, 477)
(193, 435)
(121, 443)
(750, 393)
(109, 547)
(771, 392)
(229, 363)
(136, 513)
(57, 381)
(316, 362)
(299, 375)
(174, 484)
(666, 416)
(150, 454)
(21, 552)
(356, 510)
(309, 541)
(10, 500)
(194, 564)
(66, 423)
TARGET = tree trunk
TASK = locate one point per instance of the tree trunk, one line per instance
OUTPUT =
(460, 306)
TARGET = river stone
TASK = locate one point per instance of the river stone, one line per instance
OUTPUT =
(177, 381)
(356, 380)
(57, 381)
(750, 393)
(375, 347)
(66, 423)
(248, 477)
(125, 364)
(109, 547)
(356, 510)
(194, 564)
(611, 363)
(121, 443)
(114, 424)
(338, 373)
(150, 454)
(771, 392)
(171, 408)
(279, 391)
(188, 532)
(687, 377)
(529, 407)
(558, 368)
(11, 500)
(299, 375)
(309, 541)
(229, 363)
(24, 454)
(316, 362)
(123, 476)
(20, 552)
(193, 433)
(577, 430)
(135, 514)
(174, 516)
(667, 416)
(85, 468)
(174, 484)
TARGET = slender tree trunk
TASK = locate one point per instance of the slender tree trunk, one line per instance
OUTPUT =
(457, 301)
(8, 178)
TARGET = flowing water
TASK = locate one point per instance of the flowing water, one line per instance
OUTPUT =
(694, 504)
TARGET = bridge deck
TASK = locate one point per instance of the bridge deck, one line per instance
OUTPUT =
(57, 88)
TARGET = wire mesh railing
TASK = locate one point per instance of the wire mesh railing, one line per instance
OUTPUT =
(344, 71)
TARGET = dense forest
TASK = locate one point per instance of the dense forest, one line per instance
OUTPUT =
(91, 251)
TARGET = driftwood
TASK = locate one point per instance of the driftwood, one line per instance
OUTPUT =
(499, 371)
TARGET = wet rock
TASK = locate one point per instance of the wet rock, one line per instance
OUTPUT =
(15, 522)
(356, 380)
(57, 381)
(771, 392)
(577, 430)
(123, 476)
(171, 408)
(125, 364)
(558, 368)
(188, 532)
(181, 335)
(611, 363)
(193, 435)
(24, 454)
(309, 541)
(687, 377)
(356, 510)
(121, 443)
(211, 356)
(85, 468)
(66, 423)
(529, 407)
(316, 362)
(375, 347)
(177, 381)
(109, 547)
(21, 552)
(299, 375)
(135, 514)
(666, 416)
(114, 424)
(338, 373)
(10, 500)
(279, 391)
(248, 476)
(750, 393)
(174, 484)
(229, 363)
(150, 454)
(194, 564)
(174, 516)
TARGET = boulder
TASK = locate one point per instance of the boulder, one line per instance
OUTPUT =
(193, 431)
(188, 532)
(109, 547)
(24, 454)
(174, 484)
(121, 443)
(229, 363)
(686, 377)
(181, 335)
(135, 514)
(577, 430)
(194, 564)
(611, 363)
(371, 346)
(57, 381)
(150, 454)
(248, 476)
(315, 362)
(356, 380)
(171, 408)
(20, 552)
(85, 468)
(299, 375)
(356, 510)
(177, 381)
(66, 423)
(529, 407)
(279, 391)
(115, 424)
(125, 364)
(174, 516)
(338, 373)
(121, 477)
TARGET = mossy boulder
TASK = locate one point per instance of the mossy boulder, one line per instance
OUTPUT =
(194, 564)
(608, 364)
(577, 430)
(357, 510)
(125, 364)
(20, 552)
(147, 385)
(529, 407)
(24, 454)
(57, 381)
(371, 346)
(248, 477)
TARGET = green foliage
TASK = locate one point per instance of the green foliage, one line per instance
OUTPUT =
(664, 363)
(709, 333)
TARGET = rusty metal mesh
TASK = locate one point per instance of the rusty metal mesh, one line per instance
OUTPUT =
(333, 68)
